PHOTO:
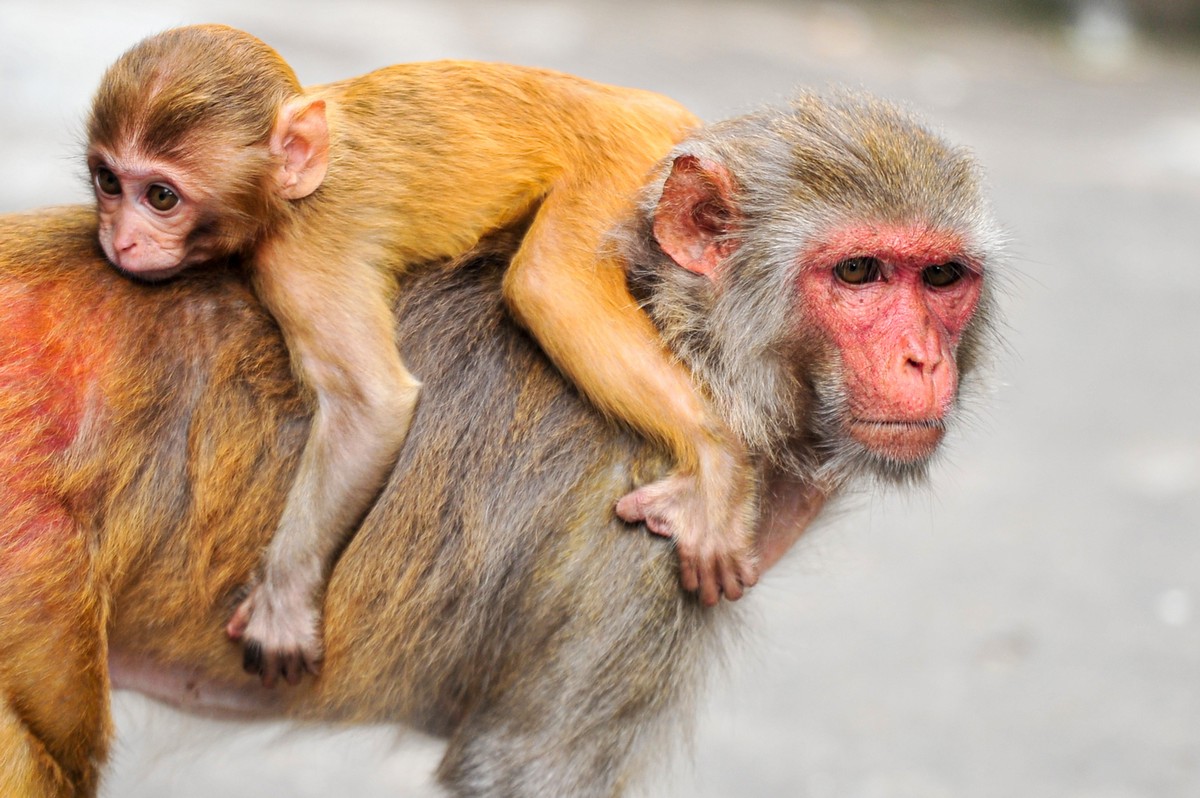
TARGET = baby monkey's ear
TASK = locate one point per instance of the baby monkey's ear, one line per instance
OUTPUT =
(301, 140)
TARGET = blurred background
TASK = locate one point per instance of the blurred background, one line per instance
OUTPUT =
(1029, 624)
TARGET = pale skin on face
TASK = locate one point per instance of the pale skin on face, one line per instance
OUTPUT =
(144, 215)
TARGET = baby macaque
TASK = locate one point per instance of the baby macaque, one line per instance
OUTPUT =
(202, 144)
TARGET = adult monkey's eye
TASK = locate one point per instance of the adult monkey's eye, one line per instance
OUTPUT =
(943, 274)
(107, 182)
(161, 198)
(857, 271)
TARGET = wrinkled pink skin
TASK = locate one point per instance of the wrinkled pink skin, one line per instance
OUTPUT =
(896, 335)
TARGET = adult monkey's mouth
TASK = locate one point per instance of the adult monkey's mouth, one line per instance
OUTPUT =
(904, 441)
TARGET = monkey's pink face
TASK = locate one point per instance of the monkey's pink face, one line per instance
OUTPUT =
(145, 216)
(895, 301)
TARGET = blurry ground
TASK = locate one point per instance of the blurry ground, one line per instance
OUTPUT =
(1026, 627)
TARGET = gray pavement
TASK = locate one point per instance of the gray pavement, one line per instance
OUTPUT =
(1027, 626)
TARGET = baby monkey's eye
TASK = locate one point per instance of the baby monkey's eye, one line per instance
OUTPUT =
(161, 197)
(107, 182)
(857, 271)
(943, 274)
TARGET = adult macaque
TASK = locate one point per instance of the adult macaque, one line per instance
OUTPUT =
(202, 144)
(820, 268)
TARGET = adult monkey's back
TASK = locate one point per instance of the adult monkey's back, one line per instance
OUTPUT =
(821, 269)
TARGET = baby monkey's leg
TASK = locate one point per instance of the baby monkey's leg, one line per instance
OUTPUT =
(340, 331)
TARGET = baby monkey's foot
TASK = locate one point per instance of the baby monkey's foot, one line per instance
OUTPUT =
(279, 633)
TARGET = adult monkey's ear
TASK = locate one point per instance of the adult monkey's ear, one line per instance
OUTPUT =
(301, 139)
(696, 216)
